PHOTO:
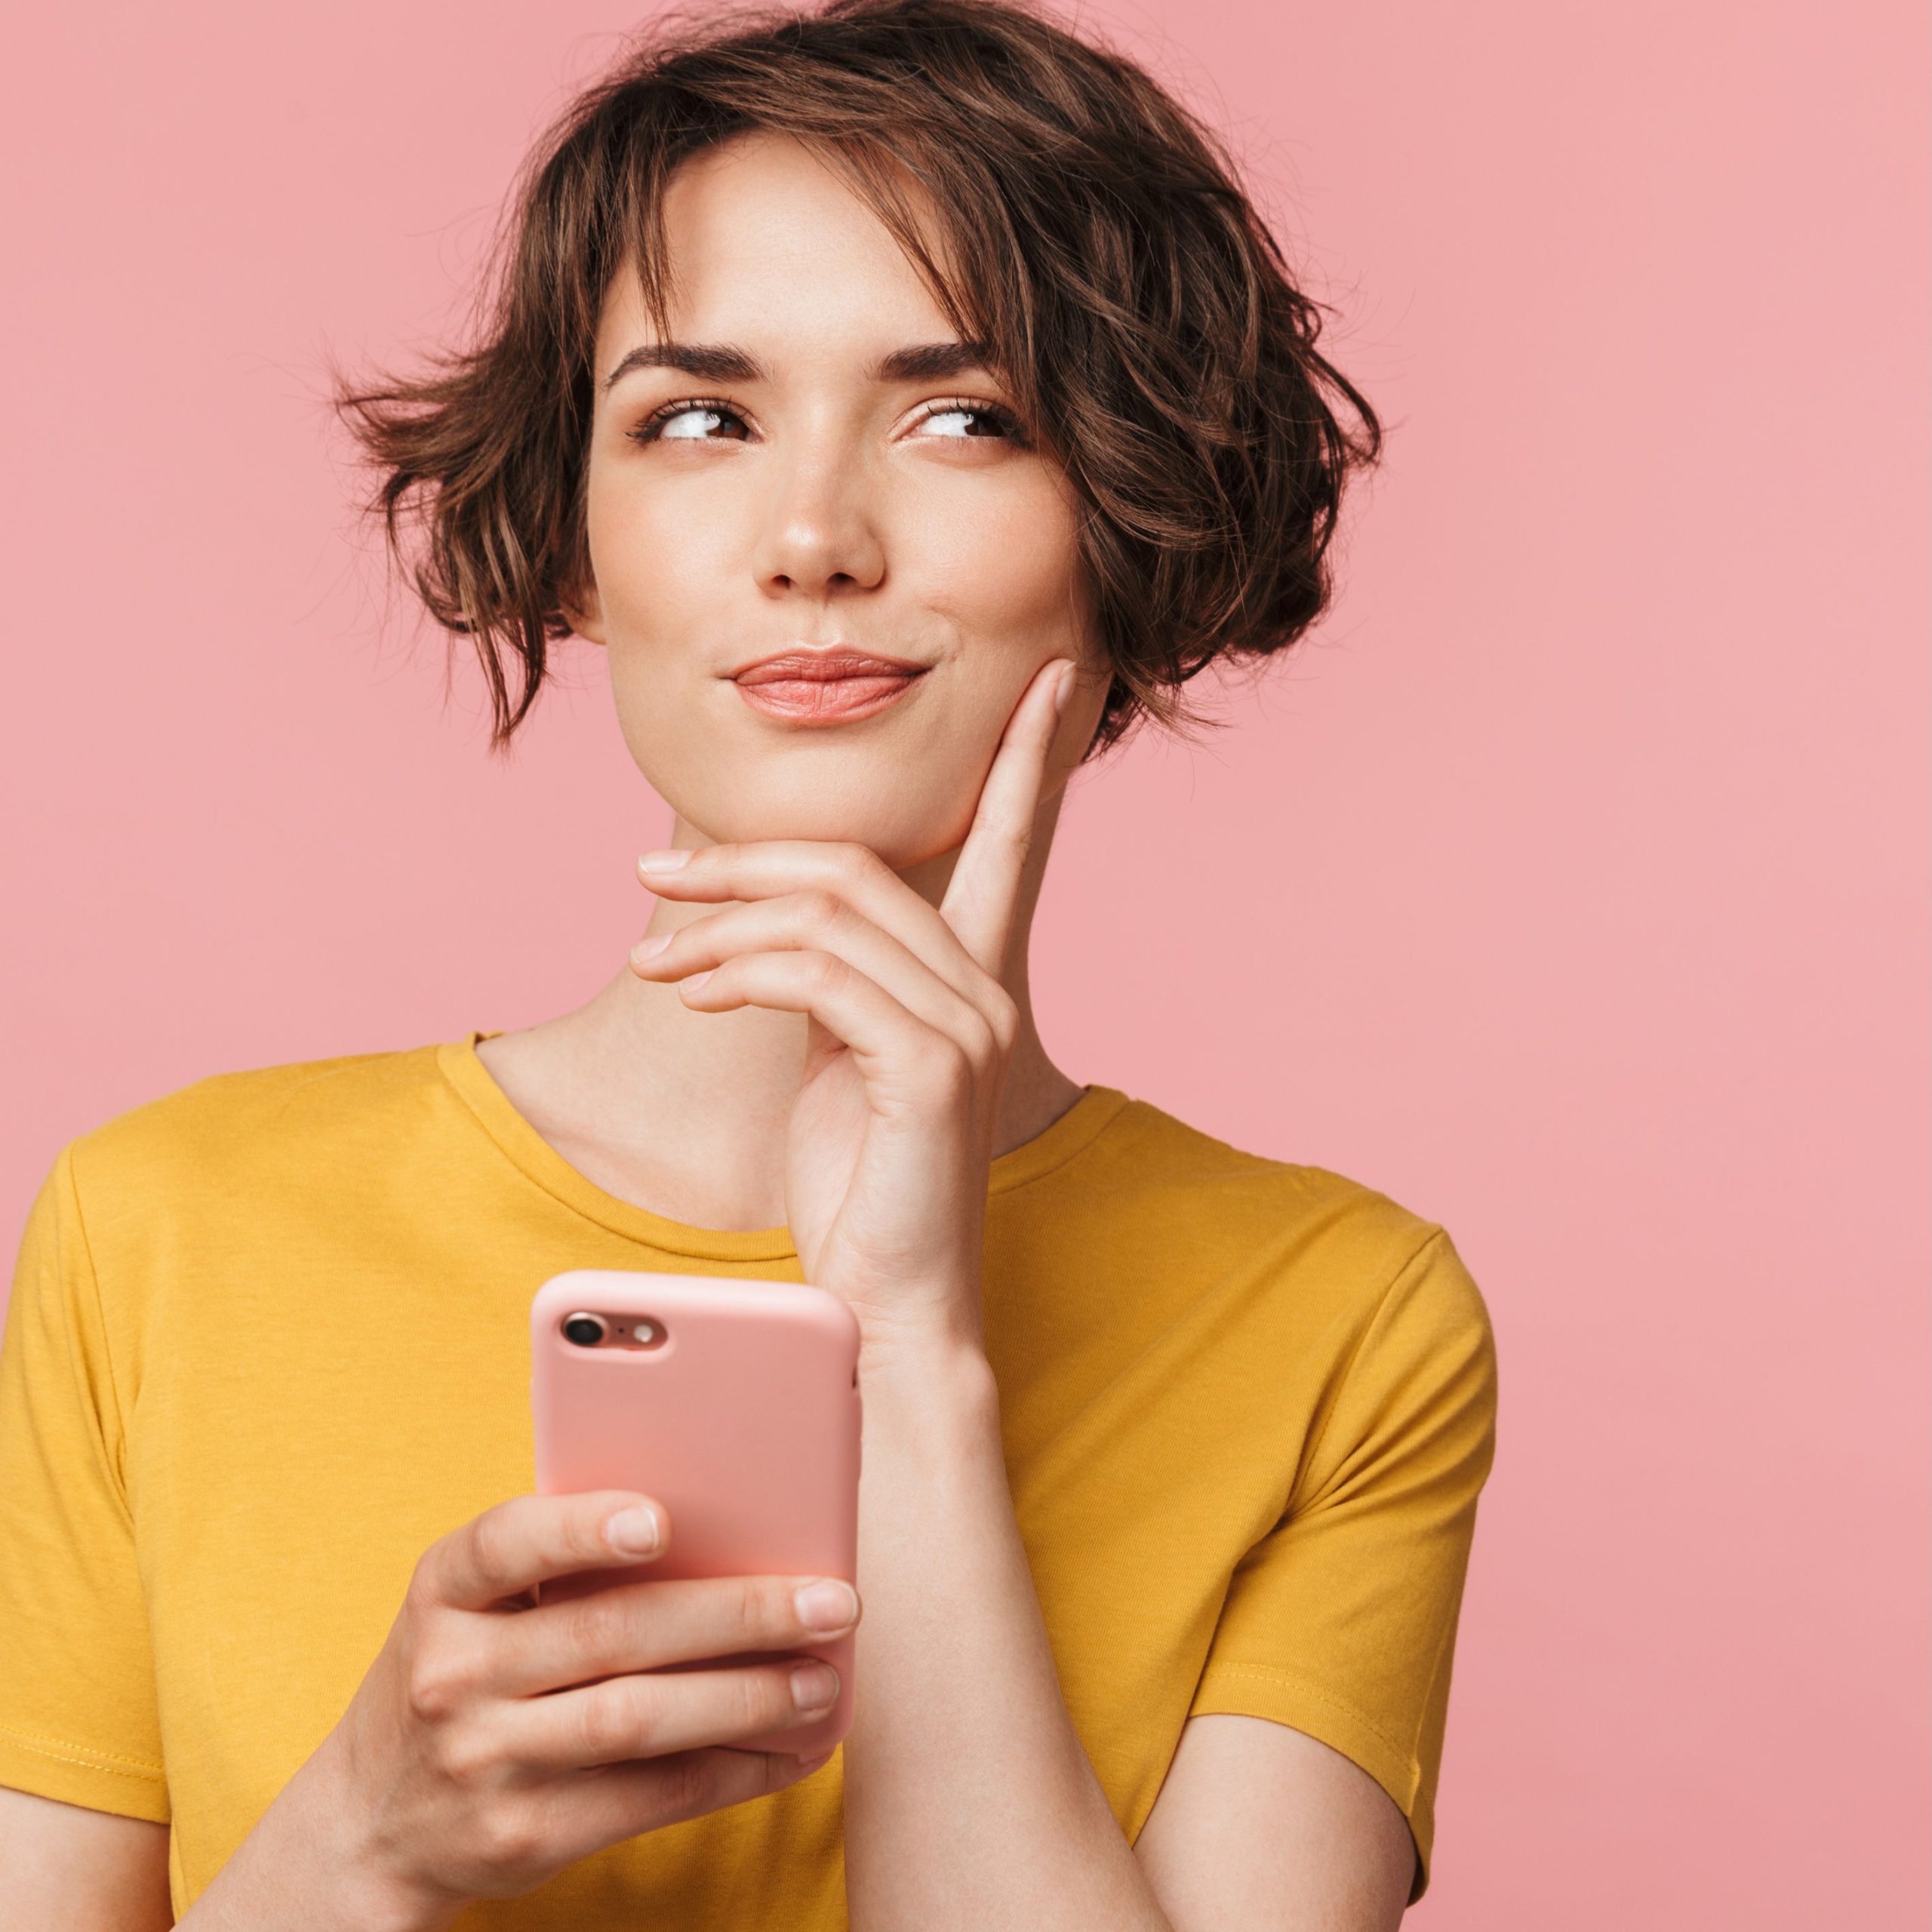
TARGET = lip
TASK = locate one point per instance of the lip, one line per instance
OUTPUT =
(830, 684)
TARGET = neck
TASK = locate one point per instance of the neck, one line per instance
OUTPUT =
(685, 1113)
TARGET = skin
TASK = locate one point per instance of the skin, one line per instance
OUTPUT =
(827, 1023)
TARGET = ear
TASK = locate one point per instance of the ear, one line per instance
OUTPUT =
(584, 610)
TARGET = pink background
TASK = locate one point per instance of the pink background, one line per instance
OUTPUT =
(1571, 887)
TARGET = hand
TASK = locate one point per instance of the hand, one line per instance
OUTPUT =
(910, 1030)
(493, 1743)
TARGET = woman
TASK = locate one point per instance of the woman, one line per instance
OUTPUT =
(906, 399)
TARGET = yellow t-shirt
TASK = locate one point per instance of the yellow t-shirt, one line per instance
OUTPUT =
(268, 1340)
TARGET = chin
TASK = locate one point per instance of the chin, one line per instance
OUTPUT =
(906, 824)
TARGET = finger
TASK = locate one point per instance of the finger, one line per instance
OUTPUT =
(775, 867)
(625, 1801)
(652, 1715)
(981, 896)
(639, 1626)
(891, 1045)
(821, 922)
(530, 1539)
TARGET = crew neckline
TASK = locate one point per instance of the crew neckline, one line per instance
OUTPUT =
(460, 1064)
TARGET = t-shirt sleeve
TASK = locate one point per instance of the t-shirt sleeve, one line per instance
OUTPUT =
(77, 1704)
(1341, 1622)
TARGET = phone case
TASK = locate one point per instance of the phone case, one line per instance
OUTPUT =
(742, 1420)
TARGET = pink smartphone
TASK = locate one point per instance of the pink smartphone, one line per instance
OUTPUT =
(734, 1403)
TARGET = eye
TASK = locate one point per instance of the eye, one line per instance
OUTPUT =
(691, 420)
(958, 419)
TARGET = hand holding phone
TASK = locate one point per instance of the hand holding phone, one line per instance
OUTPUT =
(494, 1741)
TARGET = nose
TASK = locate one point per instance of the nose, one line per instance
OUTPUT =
(820, 534)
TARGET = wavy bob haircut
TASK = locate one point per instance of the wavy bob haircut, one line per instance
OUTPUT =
(1095, 240)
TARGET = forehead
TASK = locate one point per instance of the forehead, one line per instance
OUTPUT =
(765, 245)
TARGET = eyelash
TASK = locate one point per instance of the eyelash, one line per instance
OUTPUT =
(647, 432)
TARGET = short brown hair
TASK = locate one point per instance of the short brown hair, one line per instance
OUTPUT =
(1103, 250)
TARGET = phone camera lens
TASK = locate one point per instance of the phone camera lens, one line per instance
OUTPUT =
(586, 1331)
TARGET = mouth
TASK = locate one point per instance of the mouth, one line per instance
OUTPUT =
(833, 686)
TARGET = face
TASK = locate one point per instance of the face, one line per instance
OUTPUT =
(827, 557)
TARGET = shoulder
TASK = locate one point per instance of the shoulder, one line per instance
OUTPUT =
(1278, 1267)
(238, 1137)
(230, 1115)
(1335, 1275)
(1337, 1237)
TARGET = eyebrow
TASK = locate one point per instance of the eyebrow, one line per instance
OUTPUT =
(721, 362)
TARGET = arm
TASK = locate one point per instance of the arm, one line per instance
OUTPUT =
(970, 1802)
(61, 1865)
(1260, 1828)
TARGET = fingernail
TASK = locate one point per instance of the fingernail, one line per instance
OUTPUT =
(1064, 690)
(662, 862)
(813, 1685)
(649, 949)
(808, 1765)
(696, 979)
(634, 1532)
(829, 1605)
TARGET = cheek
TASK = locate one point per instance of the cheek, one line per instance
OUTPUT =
(663, 577)
(659, 566)
(1004, 568)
